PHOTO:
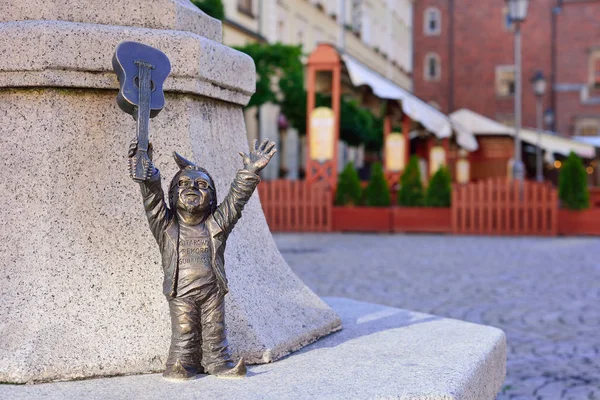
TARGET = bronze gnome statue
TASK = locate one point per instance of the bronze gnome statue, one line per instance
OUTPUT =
(191, 232)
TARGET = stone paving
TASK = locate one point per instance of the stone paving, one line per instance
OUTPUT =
(543, 292)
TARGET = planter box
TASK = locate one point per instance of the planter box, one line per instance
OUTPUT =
(362, 219)
(584, 222)
(422, 219)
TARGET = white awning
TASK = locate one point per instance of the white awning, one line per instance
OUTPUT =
(478, 124)
(465, 137)
(550, 141)
(591, 140)
(431, 118)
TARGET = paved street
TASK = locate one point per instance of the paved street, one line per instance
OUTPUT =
(543, 292)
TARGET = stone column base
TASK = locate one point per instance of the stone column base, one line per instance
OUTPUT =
(82, 277)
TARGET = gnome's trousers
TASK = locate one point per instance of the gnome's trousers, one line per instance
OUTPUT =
(198, 335)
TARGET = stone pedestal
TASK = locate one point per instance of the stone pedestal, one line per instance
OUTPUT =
(82, 280)
(382, 353)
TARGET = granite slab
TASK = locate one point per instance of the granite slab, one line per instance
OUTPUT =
(382, 353)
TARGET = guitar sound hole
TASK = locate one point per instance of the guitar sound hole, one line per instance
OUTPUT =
(136, 82)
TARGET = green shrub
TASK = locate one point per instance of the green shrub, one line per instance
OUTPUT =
(348, 191)
(214, 8)
(439, 191)
(572, 184)
(377, 193)
(411, 187)
(358, 125)
(277, 62)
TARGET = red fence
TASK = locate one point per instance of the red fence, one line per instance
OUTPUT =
(295, 206)
(595, 197)
(499, 207)
(492, 207)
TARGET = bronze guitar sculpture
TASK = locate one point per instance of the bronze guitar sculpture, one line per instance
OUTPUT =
(191, 232)
(141, 71)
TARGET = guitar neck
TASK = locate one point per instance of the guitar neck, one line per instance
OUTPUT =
(143, 109)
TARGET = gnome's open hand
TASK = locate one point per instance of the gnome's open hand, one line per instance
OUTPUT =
(260, 155)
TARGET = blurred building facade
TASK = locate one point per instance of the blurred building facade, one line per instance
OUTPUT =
(463, 58)
(378, 33)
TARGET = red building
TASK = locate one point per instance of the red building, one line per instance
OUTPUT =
(463, 58)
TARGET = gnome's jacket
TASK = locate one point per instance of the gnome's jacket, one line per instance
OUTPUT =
(165, 227)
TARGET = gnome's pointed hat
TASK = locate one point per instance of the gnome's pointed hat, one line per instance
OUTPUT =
(186, 165)
(183, 163)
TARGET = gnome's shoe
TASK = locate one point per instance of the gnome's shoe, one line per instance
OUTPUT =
(177, 372)
(228, 370)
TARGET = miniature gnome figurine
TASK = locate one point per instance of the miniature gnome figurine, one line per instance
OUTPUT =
(191, 233)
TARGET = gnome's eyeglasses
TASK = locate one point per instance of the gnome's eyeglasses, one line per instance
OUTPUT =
(199, 183)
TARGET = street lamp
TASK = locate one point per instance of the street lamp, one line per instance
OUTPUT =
(539, 88)
(517, 11)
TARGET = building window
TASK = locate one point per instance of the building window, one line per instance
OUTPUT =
(433, 21)
(302, 33)
(281, 32)
(505, 80)
(587, 127)
(595, 68)
(357, 16)
(317, 36)
(506, 119)
(588, 130)
(433, 69)
(245, 6)
(366, 29)
(282, 27)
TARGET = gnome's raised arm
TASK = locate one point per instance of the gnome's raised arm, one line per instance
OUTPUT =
(157, 212)
(244, 184)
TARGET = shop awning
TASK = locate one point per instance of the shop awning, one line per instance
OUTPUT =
(551, 142)
(591, 140)
(431, 118)
(478, 124)
(464, 137)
